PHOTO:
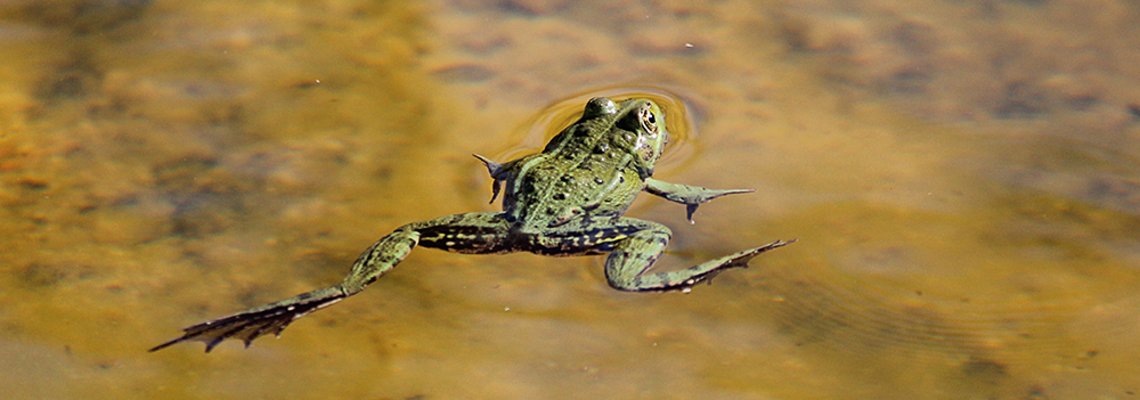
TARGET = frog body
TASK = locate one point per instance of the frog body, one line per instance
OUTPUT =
(567, 200)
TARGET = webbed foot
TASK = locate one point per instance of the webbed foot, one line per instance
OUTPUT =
(689, 195)
(739, 259)
(248, 325)
(706, 196)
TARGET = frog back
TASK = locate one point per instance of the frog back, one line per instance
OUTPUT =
(579, 173)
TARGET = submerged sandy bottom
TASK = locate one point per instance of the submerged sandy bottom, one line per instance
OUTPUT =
(962, 183)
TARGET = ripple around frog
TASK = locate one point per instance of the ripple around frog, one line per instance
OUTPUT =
(533, 134)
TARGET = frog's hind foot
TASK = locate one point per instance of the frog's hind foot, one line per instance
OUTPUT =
(248, 325)
(625, 267)
(741, 258)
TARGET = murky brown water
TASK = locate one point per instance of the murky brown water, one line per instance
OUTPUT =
(963, 179)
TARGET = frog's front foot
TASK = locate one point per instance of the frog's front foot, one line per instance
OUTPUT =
(689, 195)
(707, 195)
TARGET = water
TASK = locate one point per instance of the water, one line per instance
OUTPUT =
(962, 181)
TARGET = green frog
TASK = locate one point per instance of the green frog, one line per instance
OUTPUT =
(566, 200)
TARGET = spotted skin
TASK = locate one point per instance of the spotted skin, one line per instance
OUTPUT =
(566, 200)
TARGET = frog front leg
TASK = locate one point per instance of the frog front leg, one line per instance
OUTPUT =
(462, 233)
(689, 195)
(634, 254)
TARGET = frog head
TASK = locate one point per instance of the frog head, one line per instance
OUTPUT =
(646, 121)
(635, 126)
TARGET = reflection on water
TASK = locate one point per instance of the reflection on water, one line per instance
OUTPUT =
(962, 181)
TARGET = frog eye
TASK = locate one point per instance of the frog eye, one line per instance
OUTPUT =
(648, 119)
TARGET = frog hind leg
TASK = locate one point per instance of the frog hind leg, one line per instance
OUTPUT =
(466, 233)
(632, 257)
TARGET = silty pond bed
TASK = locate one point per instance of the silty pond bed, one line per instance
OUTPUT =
(962, 180)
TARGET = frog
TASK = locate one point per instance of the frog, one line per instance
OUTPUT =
(569, 199)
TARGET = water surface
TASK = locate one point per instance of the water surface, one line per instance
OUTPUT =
(962, 181)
